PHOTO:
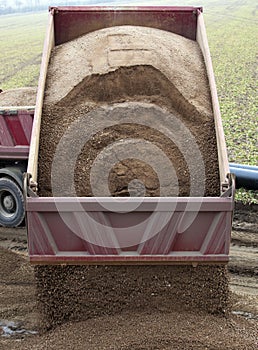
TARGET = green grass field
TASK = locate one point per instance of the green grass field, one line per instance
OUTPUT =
(232, 28)
(232, 32)
(21, 42)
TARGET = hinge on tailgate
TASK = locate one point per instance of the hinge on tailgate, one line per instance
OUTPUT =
(29, 187)
(224, 186)
(228, 187)
(53, 9)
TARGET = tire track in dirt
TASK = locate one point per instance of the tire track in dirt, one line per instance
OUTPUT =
(244, 238)
(243, 259)
(243, 265)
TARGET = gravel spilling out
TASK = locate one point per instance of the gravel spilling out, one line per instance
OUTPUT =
(68, 293)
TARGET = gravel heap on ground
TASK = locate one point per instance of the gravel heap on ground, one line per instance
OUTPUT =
(25, 96)
(148, 331)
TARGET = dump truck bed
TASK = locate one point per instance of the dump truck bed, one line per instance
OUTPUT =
(98, 230)
(15, 126)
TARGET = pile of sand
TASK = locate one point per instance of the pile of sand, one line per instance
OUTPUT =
(25, 96)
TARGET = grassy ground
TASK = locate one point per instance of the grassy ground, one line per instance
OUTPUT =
(21, 41)
(232, 37)
(232, 28)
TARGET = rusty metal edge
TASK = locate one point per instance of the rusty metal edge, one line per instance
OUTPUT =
(124, 8)
(128, 260)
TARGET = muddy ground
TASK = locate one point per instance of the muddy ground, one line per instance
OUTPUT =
(134, 329)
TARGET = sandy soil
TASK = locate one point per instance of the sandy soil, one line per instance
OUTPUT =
(132, 328)
(25, 96)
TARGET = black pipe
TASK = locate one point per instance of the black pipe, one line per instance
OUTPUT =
(246, 175)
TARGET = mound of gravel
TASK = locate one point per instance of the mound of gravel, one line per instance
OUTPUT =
(18, 97)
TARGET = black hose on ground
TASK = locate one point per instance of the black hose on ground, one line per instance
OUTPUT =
(246, 175)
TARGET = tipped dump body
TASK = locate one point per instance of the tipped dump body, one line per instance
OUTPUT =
(110, 122)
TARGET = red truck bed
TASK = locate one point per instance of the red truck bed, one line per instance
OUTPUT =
(15, 132)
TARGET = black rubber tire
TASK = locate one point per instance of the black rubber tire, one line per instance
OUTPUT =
(11, 203)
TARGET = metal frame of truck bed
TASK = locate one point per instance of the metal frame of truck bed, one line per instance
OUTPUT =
(88, 230)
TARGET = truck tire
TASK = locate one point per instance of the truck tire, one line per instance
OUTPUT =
(11, 203)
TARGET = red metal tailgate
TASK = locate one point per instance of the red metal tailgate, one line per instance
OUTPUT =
(132, 230)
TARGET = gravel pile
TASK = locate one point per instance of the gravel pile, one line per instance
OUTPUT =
(25, 96)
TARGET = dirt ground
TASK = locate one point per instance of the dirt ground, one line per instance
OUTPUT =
(135, 329)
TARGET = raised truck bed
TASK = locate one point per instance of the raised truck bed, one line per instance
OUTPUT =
(107, 230)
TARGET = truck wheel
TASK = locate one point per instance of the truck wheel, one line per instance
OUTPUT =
(11, 203)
